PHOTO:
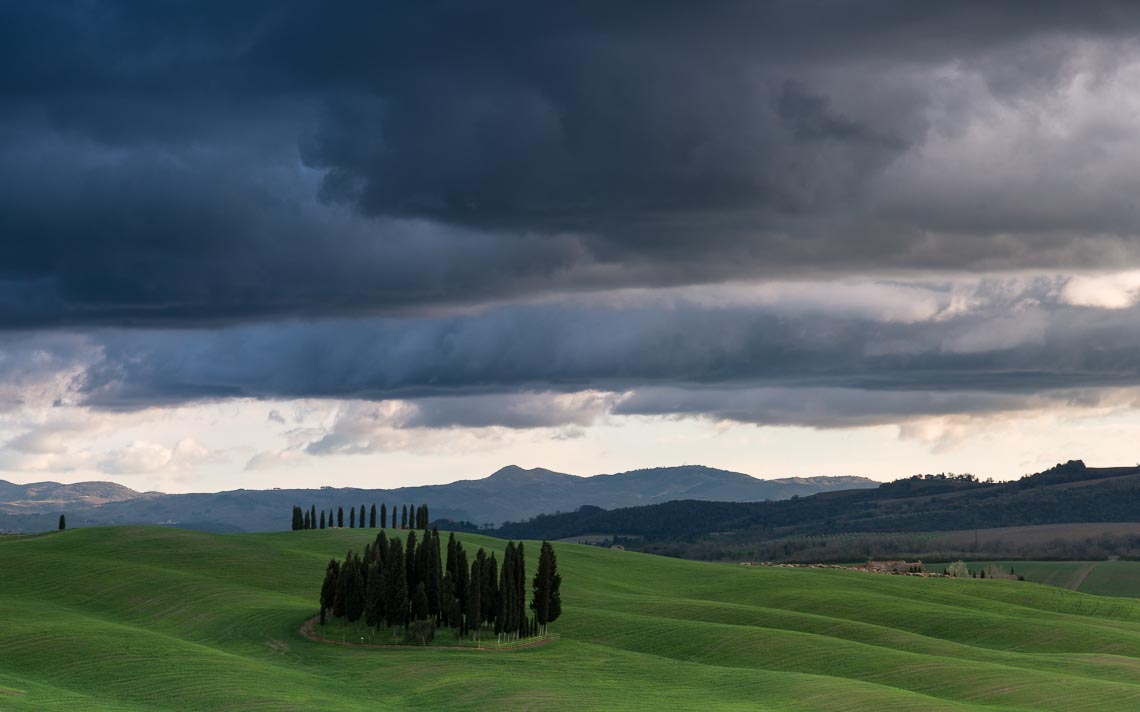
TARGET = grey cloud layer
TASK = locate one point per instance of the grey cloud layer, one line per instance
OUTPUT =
(169, 164)
(1031, 345)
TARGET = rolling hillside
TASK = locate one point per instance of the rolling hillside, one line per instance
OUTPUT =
(509, 493)
(1068, 493)
(140, 618)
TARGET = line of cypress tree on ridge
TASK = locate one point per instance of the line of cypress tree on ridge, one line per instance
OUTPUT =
(420, 517)
(393, 585)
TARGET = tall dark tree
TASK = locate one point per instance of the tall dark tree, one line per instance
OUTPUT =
(520, 588)
(381, 549)
(352, 517)
(383, 516)
(296, 517)
(328, 588)
(341, 589)
(354, 590)
(474, 596)
(433, 577)
(62, 522)
(307, 523)
(322, 519)
(505, 621)
(395, 585)
(340, 517)
(404, 517)
(313, 516)
(411, 571)
(374, 597)
(462, 581)
(547, 603)
(361, 519)
(419, 603)
(372, 517)
(491, 590)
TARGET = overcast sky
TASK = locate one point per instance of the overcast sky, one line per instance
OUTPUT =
(283, 243)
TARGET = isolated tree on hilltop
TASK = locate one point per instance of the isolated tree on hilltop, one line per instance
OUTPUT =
(62, 522)
(547, 603)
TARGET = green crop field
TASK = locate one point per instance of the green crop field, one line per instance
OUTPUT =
(150, 618)
(1103, 578)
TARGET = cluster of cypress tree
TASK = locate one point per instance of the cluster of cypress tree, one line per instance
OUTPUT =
(307, 519)
(417, 588)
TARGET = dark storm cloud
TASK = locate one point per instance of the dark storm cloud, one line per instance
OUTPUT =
(974, 361)
(186, 163)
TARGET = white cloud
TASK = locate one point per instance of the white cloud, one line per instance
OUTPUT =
(1103, 291)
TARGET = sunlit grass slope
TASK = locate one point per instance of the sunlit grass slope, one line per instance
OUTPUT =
(151, 618)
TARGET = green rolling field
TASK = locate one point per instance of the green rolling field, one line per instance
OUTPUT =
(1102, 578)
(138, 618)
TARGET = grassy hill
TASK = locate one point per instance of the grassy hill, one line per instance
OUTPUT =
(1102, 578)
(152, 618)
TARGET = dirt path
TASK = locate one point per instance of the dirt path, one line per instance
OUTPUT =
(1080, 575)
(308, 629)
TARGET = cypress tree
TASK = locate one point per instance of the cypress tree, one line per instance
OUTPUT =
(547, 603)
(312, 516)
(361, 519)
(433, 577)
(294, 525)
(374, 597)
(419, 603)
(341, 588)
(62, 522)
(474, 597)
(372, 517)
(381, 548)
(340, 517)
(354, 591)
(404, 517)
(328, 588)
(451, 557)
(519, 595)
(411, 571)
(395, 585)
(462, 580)
(352, 517)
(506, 622)
(491, 590)
(305, 522)
(383, 516)
(322, 519)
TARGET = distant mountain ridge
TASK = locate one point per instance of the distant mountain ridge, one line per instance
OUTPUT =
(511, 493)
(43, 497)
(1068, 492)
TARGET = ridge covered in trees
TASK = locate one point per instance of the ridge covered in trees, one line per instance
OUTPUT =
(308, 519)
(1069, 492)
(419, 586)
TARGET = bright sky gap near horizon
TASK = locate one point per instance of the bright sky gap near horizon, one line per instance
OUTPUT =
(281, 244)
